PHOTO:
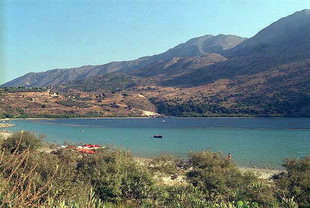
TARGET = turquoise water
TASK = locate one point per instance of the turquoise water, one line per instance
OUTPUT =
(262, 142)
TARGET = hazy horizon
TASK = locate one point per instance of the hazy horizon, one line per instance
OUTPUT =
(40, 36)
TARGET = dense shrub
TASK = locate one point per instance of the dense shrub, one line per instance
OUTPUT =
(113, 82)
(295, 183)
(115, 176)
(21, 141)
(220, 180)
(189, 196)
(23, 89)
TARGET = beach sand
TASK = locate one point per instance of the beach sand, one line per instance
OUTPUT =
(262, 173)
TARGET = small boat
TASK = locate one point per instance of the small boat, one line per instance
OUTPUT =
(92, 145)
(158, 136)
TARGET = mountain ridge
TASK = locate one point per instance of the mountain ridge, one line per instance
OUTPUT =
(284, 41)
(192, 48)
(266, 75)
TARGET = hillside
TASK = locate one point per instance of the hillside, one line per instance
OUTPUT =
(266, 75)
(280, 91)
(192, 48)
(178, 65)
(283, 42)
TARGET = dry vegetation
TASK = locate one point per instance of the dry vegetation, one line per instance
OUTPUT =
(280, 91)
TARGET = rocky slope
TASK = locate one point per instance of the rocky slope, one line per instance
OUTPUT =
(283, 42)
(192, 48)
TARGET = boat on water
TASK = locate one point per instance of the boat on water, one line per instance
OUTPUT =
(158, 136)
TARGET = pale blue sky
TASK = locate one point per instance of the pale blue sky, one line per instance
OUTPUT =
(46, 34)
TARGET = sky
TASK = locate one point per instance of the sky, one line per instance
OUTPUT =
(39, 35)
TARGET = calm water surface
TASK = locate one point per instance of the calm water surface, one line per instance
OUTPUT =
(251, 141)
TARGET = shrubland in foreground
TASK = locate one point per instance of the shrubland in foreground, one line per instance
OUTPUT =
(112, 177)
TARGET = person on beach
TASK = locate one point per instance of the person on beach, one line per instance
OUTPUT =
(229, 156)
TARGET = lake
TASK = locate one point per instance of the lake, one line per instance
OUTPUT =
(261, 142)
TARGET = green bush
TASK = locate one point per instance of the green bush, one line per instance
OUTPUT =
(189, 196)
(220, 180)
(115, 176)
(21, 141)
(183, 196)
(294, 185)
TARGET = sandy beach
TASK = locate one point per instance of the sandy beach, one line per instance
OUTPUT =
(262, 173)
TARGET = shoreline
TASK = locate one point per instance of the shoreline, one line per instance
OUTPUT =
(147, 117)
(262, 173)
(6, 125)
(158, 116)
(39, 120)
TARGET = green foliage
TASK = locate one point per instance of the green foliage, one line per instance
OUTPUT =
(21, 141)
(220, 180)
(90, 202)
(90, 114)
(115, 176)
(7, 115)
(190, 109)
(294, 185)
(23, 89)
(189, 196)
(183, 196)
(113, 82)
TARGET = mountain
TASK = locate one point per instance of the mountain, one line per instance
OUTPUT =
(192, 48)
(266, 75)
(284, 41)
(202, 45)
(178, 65)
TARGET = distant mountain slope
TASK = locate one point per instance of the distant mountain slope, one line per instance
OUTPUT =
(111, 81)
(266, 75)
(178, 65)
(192, 48)
(285, 41)
(201, 46)
(158, 70)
